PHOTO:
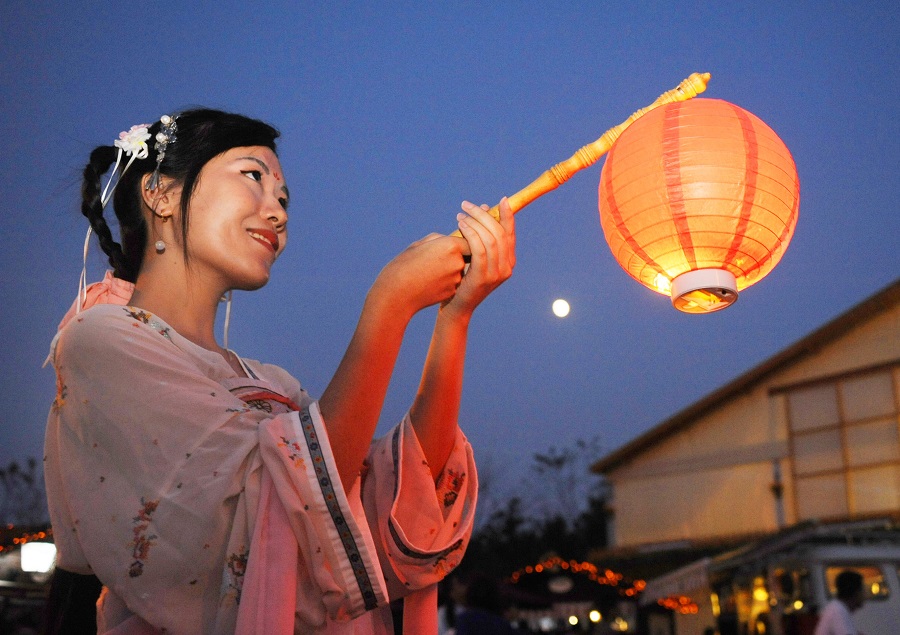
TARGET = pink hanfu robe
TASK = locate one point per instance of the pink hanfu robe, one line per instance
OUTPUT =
(206, 502)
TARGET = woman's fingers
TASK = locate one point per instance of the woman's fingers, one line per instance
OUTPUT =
(497, 237)
(508, 223)
(432, 269)
(492, 244)
(477, 235)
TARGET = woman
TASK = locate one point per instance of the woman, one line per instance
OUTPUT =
(211, 494)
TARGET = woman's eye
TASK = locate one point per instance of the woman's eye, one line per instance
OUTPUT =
(256, 175)
(284, 203)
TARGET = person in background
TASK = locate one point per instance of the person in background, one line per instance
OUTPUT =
(835, 617)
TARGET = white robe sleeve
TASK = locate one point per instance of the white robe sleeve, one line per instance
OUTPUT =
(344, 557)
(421, 530)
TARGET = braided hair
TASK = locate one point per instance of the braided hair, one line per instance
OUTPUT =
(202, 135)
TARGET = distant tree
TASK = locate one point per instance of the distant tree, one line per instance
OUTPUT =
(493, 489)
(561, 483)
(504, 542)
(563, 510)
(590, 530)
(23, 499)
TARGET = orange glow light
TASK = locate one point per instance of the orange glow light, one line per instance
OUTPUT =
(680, 604)
(699, 186)
(588, 569)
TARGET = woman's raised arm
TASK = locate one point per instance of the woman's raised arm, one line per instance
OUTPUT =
(435, 411)
(426, 273)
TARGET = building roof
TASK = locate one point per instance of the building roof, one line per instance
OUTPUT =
(866, 310)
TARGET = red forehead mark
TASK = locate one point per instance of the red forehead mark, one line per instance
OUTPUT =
(277, 176)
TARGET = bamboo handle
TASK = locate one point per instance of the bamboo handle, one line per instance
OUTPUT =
(591, 153)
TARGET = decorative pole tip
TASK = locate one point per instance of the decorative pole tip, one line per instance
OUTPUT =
(699, 81)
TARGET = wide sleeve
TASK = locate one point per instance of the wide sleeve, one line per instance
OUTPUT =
(302, 496)
(421, 527)
(152, 470)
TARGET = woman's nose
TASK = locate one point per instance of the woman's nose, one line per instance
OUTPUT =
(276, 213)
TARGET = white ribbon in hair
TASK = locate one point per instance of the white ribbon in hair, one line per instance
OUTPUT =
(133, 143)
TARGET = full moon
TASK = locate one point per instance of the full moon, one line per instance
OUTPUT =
(560, 308)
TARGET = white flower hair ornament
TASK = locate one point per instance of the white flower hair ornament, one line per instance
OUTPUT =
(133, 144)
(134, 141)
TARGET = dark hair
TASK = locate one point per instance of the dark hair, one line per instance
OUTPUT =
(202, 134)
(848, 584)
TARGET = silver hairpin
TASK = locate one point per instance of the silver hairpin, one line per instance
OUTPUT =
(164, 137)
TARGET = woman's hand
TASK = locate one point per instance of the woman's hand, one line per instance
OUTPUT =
(493, 248)
(427, 272)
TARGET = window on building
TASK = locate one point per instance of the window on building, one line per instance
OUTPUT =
(793, 588)
(845, 445)
(874, 586)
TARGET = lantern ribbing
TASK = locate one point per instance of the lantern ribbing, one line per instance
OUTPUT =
(699, 200)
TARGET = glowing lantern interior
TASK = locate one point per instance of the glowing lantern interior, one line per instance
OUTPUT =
(698, 200)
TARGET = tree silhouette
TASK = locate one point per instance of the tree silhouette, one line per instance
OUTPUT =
(562, 486)
(23, 499)
(563, 510)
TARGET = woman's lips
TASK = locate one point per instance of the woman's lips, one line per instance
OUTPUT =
(266, 237)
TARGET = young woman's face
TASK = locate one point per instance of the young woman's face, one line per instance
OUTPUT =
(238, 218)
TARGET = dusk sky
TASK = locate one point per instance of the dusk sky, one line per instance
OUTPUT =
(391, 114)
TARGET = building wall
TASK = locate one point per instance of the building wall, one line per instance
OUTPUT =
(713, 478)
(874, 342)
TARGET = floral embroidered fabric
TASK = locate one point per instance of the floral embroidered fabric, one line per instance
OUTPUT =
(185, 488)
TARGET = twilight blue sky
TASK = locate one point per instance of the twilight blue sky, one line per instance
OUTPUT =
(391, 114)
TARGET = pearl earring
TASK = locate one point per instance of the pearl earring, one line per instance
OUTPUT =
(160, 246)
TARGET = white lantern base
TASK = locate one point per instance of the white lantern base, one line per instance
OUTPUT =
(704, 291)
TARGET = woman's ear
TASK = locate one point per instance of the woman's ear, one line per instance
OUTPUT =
(164, 199)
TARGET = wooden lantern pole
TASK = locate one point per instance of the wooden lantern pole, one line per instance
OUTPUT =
(591, 153)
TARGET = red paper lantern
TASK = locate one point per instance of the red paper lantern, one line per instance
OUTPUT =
(698, 200)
